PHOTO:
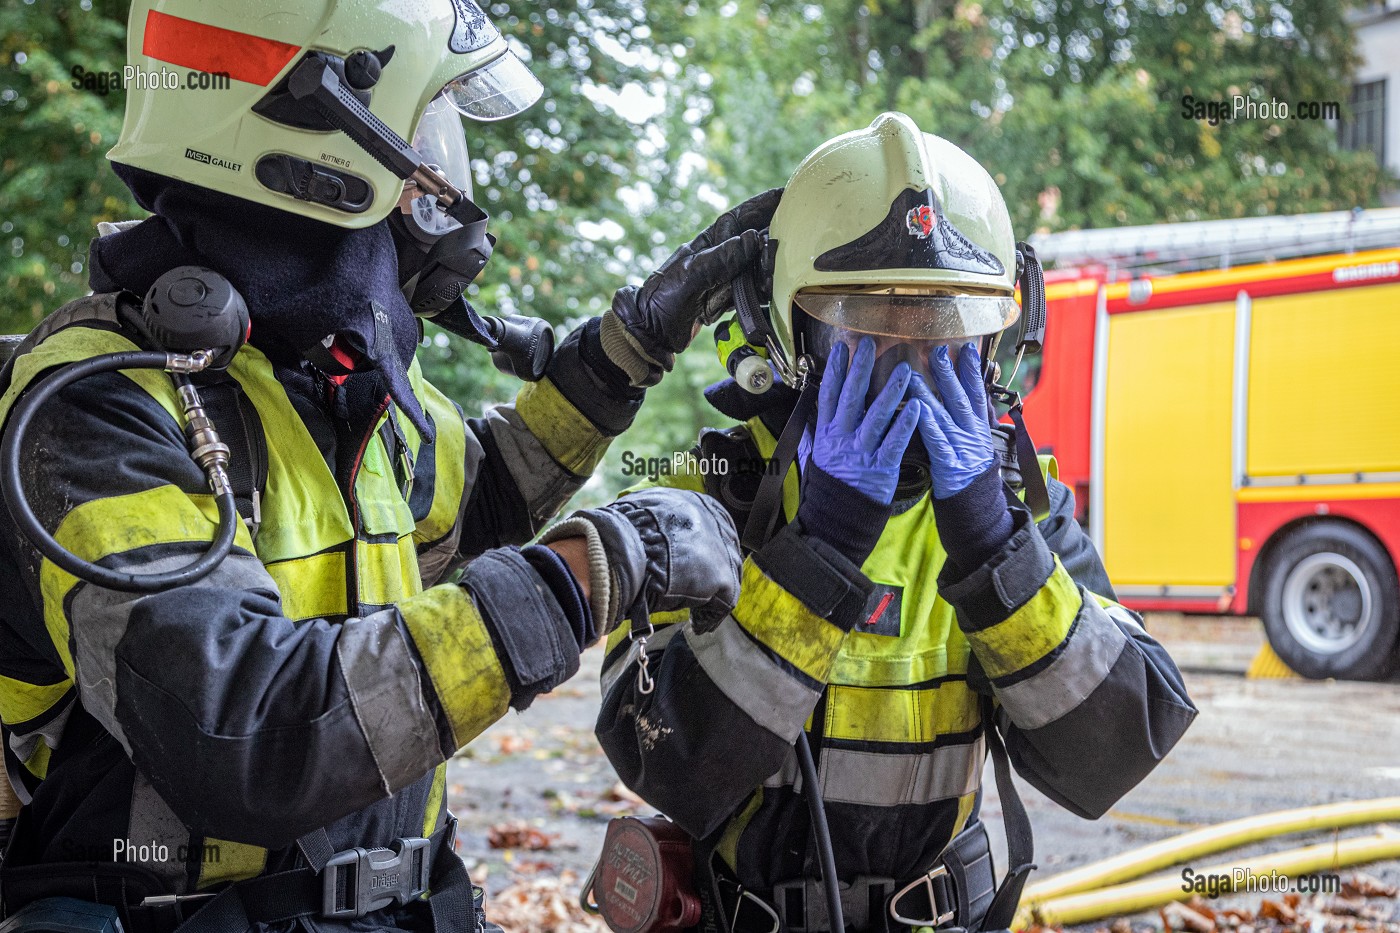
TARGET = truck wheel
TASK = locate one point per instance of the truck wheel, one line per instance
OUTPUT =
(1332, 603)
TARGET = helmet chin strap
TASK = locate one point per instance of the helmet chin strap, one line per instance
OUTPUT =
(1032, 282)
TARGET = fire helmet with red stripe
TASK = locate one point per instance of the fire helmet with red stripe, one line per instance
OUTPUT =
(208, 98)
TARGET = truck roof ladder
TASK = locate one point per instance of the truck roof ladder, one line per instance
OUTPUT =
(1129, 252)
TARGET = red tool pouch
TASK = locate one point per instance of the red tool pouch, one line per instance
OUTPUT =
(644, 881)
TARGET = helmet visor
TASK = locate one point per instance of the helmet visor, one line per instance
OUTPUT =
(442, 143)
(501, 88)
(910, 316)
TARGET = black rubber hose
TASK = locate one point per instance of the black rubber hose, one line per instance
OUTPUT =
(812, 791)
(38, 535)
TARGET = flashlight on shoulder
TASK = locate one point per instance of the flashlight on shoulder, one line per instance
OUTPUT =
(748, 365)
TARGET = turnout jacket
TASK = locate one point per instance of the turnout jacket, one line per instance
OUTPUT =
(322, 675)
(884, 667)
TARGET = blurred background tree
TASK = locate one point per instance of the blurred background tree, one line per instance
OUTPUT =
(658, 115)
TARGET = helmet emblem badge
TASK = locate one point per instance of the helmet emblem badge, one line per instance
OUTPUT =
(920, 221)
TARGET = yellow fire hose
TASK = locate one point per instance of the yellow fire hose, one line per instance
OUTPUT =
(1154, 892)
(1211, 839)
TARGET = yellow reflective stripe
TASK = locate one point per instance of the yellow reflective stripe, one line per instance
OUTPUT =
(387, 572)
(80, 343)
(728, 847)
(21, 701)
(37, 764)
(965, 803)
(885, 715)
(303, 510)
(659, 621)
(455, 647)
(222, 861)
(382, 506)
(1032, 631)
(435, 795)
(103, 527)
(785, 625)
(449, 465)
(312, 587)
(570, 438)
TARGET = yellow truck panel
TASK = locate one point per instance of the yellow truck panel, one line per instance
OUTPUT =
(1169, 513)
(1320, 391)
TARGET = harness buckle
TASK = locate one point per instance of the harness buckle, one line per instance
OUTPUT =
(926, 880)
(360, 881)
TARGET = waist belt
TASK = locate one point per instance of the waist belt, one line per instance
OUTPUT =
(955, 894)
(335, 886)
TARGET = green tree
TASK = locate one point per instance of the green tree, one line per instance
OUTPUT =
(1074, 105)
(54, 183)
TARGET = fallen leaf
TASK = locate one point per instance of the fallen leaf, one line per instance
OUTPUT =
(544, 904)
(1364, 885)
(621, 793)
(1273, 910)
(519, 835)
(510, 744)
(1189, 919)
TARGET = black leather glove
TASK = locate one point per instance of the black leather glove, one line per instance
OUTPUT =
(662, 549)
(648, 326)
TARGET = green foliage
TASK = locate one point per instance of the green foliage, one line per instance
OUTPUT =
(54, 182)
(1074, 106)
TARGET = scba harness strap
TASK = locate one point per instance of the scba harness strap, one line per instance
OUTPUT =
(340, 886)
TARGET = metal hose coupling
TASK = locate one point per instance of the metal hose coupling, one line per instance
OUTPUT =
(184, 363)
(207, 449)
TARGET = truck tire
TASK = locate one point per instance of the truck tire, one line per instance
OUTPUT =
(1332, 603)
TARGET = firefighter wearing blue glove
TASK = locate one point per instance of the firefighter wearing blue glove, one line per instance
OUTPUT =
(909, 614)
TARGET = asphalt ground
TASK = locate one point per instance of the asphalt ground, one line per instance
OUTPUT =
(1257, 746)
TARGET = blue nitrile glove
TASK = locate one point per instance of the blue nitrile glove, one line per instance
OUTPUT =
(855, 458)
(969, 506)
(955, 430)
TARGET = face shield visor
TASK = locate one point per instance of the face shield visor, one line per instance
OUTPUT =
(499, 89)
(906, 328)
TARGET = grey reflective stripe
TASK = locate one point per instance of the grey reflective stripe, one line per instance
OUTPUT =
(656, 643)
(1123, 616)
(155, 838)
(752, 680)
(98, 618)
(1095, 643)
(387, 694)
(878, 779)
(25, 744)
(544, 484)
(438, 559)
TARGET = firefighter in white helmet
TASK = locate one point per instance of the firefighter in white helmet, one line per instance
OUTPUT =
(909, 616)
(264, 746)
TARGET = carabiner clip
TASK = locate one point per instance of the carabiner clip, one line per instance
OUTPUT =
(641, 620)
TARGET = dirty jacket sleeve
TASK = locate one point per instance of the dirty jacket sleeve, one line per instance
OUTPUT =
(1089, 702)
(750, 682)
(529, 457)
(251, 725)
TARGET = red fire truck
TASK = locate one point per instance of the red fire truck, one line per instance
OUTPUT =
(1224, 399)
